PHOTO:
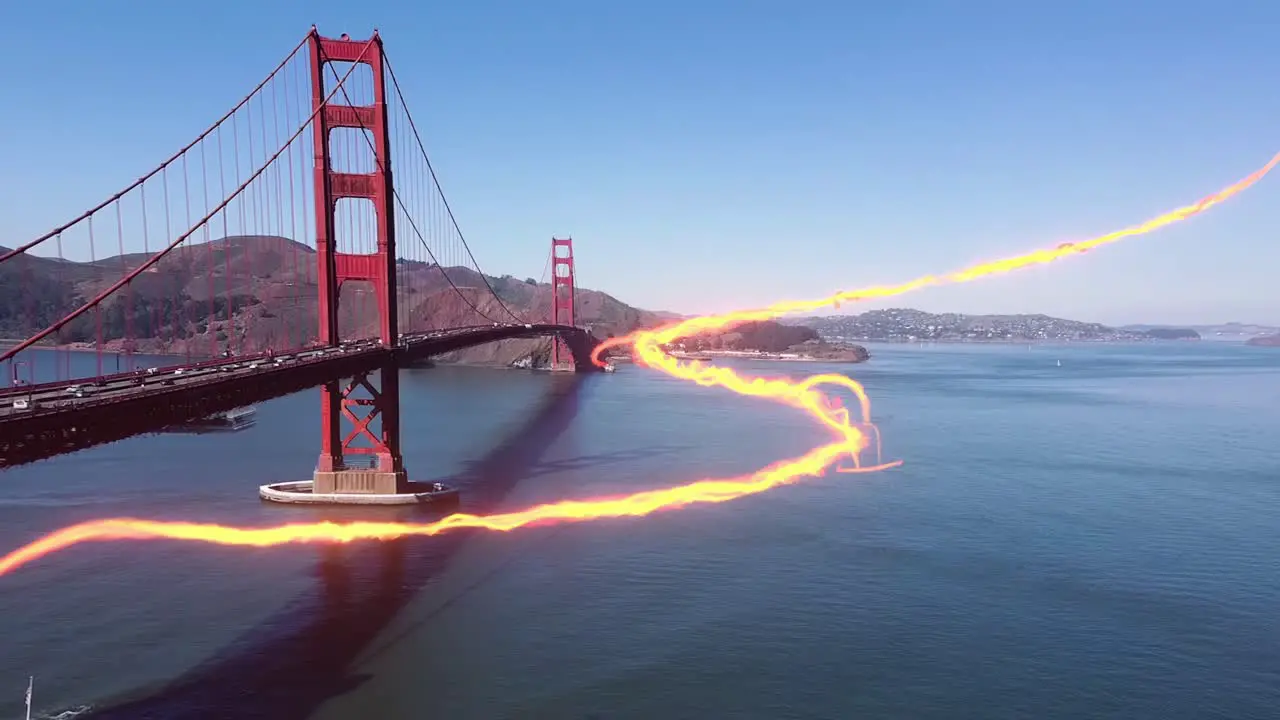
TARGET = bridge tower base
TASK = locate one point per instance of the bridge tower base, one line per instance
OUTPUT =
(364, 465)
(359, 482)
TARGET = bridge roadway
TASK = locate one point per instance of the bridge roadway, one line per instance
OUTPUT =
(68, 394)
(38, 421)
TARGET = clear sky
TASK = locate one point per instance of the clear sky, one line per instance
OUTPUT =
(714, 154)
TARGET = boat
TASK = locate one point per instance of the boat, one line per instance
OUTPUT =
(608, 367)
(31, 681)
(439, 493)
(229, 421)
(237, 417)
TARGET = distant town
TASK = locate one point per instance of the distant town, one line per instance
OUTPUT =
(905, 325)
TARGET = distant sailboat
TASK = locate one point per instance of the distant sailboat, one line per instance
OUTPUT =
(1059, 363)
(31, 681)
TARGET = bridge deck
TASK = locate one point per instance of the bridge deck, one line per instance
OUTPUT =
(69, 415)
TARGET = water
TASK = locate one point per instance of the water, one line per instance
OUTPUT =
(1091, 540)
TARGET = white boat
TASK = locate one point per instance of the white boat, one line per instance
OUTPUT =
(229, 421)
(31, 681)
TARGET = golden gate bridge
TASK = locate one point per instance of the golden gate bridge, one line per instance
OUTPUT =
(301, 241)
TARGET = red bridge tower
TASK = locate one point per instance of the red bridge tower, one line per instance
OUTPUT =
(360, 401)
(564, 299)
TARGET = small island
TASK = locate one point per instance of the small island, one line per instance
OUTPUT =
(1172, 333)
(769, 340)
(1264, 341)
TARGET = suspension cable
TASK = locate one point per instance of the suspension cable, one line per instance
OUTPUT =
(143, 266)
(434, 179)
(62, 228)
(409, 216)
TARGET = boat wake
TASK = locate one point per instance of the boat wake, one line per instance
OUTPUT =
(68, 714)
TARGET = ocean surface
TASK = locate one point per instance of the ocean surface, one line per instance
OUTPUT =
(1098, 538)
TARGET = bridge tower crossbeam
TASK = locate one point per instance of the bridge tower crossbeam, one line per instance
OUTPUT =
(564, 301)
(360, 401)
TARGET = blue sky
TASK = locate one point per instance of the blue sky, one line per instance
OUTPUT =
(714, 154)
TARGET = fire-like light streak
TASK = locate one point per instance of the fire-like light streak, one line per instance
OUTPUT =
(694, 326)
(849, 440)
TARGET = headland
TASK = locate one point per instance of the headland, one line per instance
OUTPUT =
(769, 340)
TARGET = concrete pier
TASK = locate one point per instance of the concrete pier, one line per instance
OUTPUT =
(350, 481)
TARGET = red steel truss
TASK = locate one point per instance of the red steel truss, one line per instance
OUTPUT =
(563, 299)
(334, 268)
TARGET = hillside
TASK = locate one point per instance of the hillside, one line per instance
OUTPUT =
(1264, 341)
(260, 291)
(906, 325)
(1231, 332)
(763, 336)
(772, 338)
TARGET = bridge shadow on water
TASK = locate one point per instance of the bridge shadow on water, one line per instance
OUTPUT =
(293, 662)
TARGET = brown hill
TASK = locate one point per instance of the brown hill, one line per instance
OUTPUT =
(1264, 341)
(260, 292)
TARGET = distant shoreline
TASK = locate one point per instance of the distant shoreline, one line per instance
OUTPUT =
(6, 344)
(761, 355)
(749, 355)
(775, 357)
(1012, 341)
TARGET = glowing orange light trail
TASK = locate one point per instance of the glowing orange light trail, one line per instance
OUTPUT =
(694, 326)
(850, 439)
(643, 503)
